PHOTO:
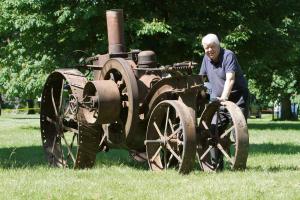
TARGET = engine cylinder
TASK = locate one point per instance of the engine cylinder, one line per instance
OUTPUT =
(101, 101)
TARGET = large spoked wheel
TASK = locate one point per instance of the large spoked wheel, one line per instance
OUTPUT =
(120, 72)
(223, 139)
(59, 124)
(171, 138)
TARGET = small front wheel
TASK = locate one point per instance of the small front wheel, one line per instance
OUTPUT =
(171, 137)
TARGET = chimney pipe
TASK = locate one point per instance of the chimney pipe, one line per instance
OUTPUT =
(115, 31)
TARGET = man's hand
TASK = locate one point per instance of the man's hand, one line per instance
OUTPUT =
(222, 99)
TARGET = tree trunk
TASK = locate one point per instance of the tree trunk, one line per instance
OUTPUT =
(30, 103)
(286, 112)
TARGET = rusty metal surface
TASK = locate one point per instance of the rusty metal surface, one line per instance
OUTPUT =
(169, 88)
(232, 141)
(119, 70)
(134, 103)
(147, 59)
(242, 136)
(88, 143)
(115, 31)
(59, 125)
(171, 137)
(102, 101)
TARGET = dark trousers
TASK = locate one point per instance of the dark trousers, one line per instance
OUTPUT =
(220, 121)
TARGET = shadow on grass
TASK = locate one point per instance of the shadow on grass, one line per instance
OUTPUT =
(32, 156)
(269, 148)
(119, 157)
(20, 157)
(274, 126)
(24, 118)
(274, 168)
(30, 127)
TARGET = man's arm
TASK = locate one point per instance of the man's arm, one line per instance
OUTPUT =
(203, 68)
(230, 78)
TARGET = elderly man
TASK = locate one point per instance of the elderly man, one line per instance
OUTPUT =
(226, 80)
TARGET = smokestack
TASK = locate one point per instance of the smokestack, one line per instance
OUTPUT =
(115, 31)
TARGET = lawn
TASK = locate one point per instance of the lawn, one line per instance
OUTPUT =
(273, 169)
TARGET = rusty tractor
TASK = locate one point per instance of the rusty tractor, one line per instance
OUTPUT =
(159, 113)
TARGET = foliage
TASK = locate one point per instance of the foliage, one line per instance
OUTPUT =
(37, 36)
(153, 28)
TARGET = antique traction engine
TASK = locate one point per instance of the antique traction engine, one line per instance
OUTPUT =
(136, 104)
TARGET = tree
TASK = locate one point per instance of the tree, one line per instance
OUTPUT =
(274, 51)
(37, 36)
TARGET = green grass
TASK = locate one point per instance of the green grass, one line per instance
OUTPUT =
(273, 169)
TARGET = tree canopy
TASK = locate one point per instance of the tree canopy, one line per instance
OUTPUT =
(37, 36)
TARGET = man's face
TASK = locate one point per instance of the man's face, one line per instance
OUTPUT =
(212, 50)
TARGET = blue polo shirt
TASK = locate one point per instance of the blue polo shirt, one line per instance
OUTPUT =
(216, 73)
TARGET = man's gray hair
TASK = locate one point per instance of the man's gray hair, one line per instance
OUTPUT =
(210, 38)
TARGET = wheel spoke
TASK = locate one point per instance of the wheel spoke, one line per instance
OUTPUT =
(232, 143)
(174, 133)
(73, 138)
(156, 153)
(61, 96)
(53, 145)
(226, 132)
(174, 153)
(170, 159)
(166, 124)
(171, 126)
(102, 140)
(62, 154)
(204, 124)
(205, 153)
(209, 166)
(71, 145)
(225, 153)
(157, 130)
(68, 147)
(48, 119)
(53, 103)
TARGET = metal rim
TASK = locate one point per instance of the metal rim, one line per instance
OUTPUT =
(58, 122)
(89, 143)
(232, 141)
(171, 138)
(119, 70)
